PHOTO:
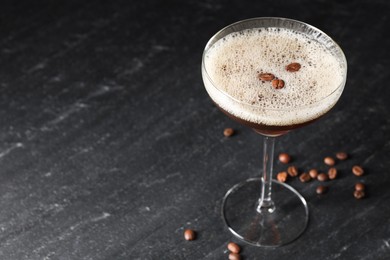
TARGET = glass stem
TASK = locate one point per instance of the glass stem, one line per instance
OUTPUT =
(265, 202)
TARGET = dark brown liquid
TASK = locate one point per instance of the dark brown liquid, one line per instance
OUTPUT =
(268, 130)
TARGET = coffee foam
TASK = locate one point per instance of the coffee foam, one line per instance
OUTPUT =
(234, 62)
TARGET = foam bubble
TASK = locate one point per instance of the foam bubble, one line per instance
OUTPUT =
(234, 62)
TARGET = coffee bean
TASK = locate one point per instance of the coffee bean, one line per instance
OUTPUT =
(228, 132)
(322, 177)
(277, 83)
(266, 76)
(359, 194)
(234, 248)
(234, 256)
(360, 186)
(282, 176)
(293, 67)
(329, 161)
(292, 171)
(284, 158)
(357, 170)
(189, 234)
(304, 177)
(321, 189)
(332, 173)
(341, 156)
(313, 173)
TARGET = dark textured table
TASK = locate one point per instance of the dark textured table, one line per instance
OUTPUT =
(110, 146)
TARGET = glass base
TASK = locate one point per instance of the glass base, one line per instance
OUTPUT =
(273, 228)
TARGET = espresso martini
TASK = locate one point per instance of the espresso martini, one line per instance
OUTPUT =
(232, 72)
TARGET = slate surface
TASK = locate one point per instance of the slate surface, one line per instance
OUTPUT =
(110, 146)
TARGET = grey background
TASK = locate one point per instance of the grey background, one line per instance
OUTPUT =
(110, 146)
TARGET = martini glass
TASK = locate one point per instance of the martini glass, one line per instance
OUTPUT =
(262, 211)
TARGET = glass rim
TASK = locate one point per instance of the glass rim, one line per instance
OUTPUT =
(342, 58)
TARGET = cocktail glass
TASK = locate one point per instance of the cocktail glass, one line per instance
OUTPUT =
(262, 211)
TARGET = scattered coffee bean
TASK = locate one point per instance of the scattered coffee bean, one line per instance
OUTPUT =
(321, 189)
(341, 156)
(293, 67)
(359, 194)
(234, 256)
(234, 248)
(332, 173)
(292, 171)
(266, 76)
(189, 234)
(277, 83)
(357, 170)
(282, 176)
(284, 158)
(360, 186)
(329, 161)
(304, 177)
(313, 173)
(322, 177)
(228, 132)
